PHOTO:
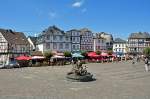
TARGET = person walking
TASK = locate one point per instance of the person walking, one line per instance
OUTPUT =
(146, 64)
(133, 60)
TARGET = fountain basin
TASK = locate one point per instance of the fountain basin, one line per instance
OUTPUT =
(80, 78)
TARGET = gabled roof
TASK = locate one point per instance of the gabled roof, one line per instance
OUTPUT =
(73, 30)
(104, 35)
(83, 31)
(119, 40)
(33, 39)
(97, 36)
(14, 37)
(139, 35)
(52, 29)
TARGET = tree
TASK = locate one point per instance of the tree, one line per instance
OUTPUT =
(84, 53)
(110, 52)
(98, 52)
(110, 49)
(67, 54)
(146, 51)
(48, 55)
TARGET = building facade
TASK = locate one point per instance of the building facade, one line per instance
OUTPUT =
(12, 44)
(75, 40)
(54, 39)
(109, 40)
(86, 40)
(137, 42)
(99, 43)
(120, 47)
(33, 42)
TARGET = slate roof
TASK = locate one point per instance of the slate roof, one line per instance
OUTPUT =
(119, 40)
(14, 37)
(84, 30)
(139, 35)
(73, 30)
(52, 29)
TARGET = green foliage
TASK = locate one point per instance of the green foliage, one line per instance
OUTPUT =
(48, 54)
(98, 52)
(67, 54)
(84, 53)
(110, 49)
(146, 51)
(110, 52)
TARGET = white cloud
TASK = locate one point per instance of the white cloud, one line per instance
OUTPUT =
(77, 4)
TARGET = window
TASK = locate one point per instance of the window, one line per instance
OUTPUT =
(119, 49)
(67, 46)
(60, 38)
(47, 46)
(74, 33)
(73, 39)
(54, 37)
(78, 47)
(67, 38)
(54, 45)
(48, 37)
(119, 45)
(116, 45)
(78, 39)
(74, 47)
(22, 49)
(61, 46)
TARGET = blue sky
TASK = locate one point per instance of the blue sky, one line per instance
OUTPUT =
(118, 17)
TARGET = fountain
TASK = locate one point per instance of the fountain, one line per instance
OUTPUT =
(79, 73)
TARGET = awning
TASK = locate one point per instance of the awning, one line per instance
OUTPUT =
(38, 57)
(93, 54)
(77, 55)
(104, 54)
(57, 56)
(23, 58)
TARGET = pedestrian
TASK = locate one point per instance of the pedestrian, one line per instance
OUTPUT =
(72, 62)
(146, 64)
(133, 60)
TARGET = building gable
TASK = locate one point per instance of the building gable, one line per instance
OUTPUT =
(2, 38)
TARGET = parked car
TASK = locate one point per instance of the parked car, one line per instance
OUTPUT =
(12, 64)
(1, 65)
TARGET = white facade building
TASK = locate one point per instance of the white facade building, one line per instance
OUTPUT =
(137, 42)
(108, 38)
(120, 47)
(32, 41)
(12, 44)
(54, 39)
(99, 43)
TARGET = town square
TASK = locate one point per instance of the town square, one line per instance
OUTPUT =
(121, 80)
(74, 49)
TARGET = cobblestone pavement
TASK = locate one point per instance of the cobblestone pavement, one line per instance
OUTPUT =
(113, 81)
